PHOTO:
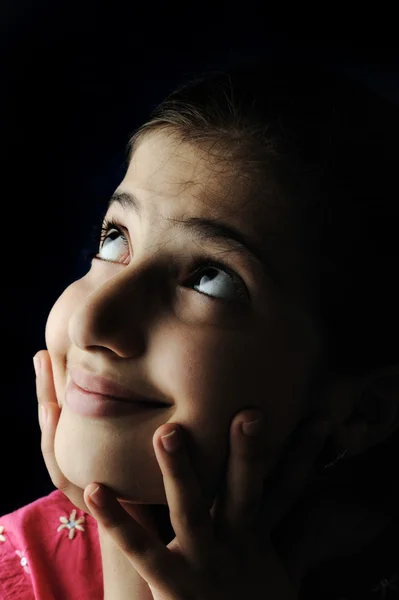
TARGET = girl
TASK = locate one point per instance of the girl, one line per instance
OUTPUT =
(244, 274)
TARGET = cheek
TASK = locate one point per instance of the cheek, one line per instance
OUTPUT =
(217, 376)
(199, 369)
(56, 334)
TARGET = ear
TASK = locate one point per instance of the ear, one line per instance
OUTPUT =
(372, 412)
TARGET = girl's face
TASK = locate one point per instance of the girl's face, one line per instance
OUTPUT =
(209, 340)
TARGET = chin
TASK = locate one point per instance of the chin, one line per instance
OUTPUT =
(84, 458)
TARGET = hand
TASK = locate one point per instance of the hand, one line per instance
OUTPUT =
(47, 399)
(222, 553)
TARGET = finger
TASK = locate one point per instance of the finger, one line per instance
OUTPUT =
(293, 472)
(44, 386)
(152, 560)
(47, 398)
(190, 517)
(238, 504)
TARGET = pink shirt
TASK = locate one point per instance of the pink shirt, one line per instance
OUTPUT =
(49, 550)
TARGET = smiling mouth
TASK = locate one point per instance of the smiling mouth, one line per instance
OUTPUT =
(89, 404)
(107, 388)
(105, 397)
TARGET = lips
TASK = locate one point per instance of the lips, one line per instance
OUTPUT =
(97, 384)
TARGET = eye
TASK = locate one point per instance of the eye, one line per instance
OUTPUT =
(109, 242)
(114, 246)
(215, 279)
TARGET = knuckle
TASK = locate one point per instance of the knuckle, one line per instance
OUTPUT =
(178, 470)
(38, 388)
(191, 519)
(250, 453)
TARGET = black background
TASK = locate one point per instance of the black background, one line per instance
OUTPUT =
(77, 79)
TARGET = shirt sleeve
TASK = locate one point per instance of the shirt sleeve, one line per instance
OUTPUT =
(49, 550)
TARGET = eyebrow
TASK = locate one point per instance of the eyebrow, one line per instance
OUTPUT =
(207, 230)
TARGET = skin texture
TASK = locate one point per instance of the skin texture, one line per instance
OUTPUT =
(137, 318)
(209, 358)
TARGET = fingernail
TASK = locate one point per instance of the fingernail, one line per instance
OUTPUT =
(98, 497)
(170, 441)
(43, 411)
(252, 427)
(36, 364)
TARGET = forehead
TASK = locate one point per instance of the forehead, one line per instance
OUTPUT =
(175, 179)
(164, 166)
(194, 179)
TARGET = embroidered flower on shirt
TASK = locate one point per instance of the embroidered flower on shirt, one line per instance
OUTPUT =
(23, 561)
(2, 537)
(386, 584)
(71, 524)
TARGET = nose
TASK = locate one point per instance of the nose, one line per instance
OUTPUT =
(114, 314)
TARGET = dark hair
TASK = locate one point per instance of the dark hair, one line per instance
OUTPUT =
(325, 145)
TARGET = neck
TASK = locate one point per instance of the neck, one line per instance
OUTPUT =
(120, 578)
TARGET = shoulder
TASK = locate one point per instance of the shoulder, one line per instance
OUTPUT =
(52, 501)
(43, 543)
(36, 521)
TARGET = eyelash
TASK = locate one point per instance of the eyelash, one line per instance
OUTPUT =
(101, 232)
